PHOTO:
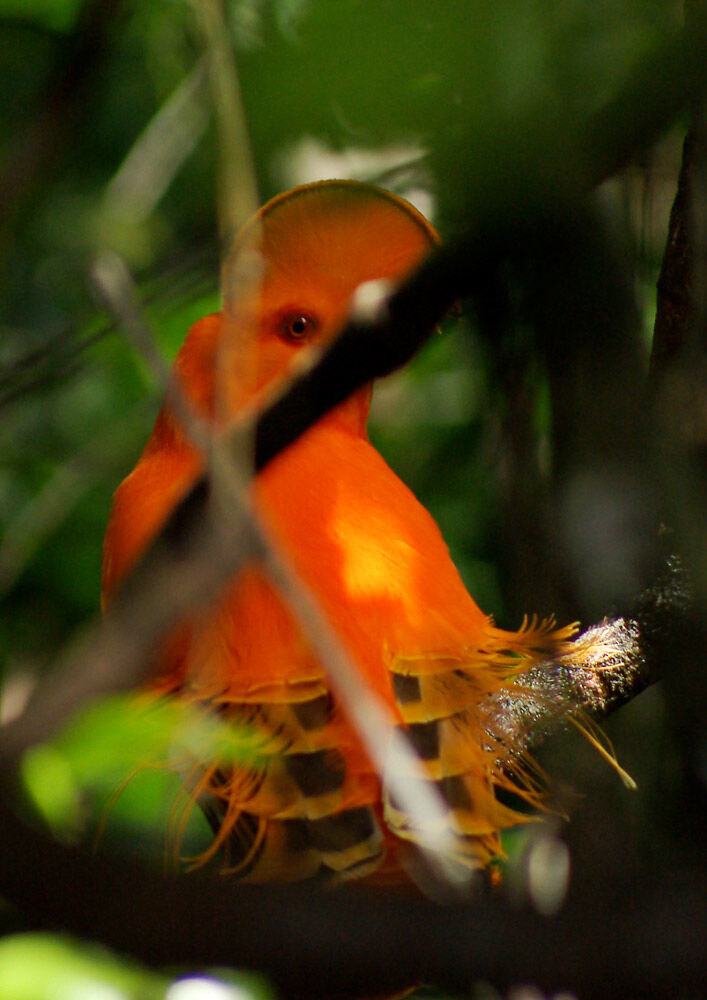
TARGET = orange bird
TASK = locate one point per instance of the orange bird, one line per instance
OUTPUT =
(311, 803)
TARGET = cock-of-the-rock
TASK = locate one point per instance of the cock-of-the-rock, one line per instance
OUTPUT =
(312, 804)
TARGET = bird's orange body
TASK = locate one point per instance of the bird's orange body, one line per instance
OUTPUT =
(366, 548)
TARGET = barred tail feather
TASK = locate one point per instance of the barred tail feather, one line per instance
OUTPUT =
(439, 699)
(300, 805)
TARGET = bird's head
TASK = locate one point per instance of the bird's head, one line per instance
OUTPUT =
(288, 283)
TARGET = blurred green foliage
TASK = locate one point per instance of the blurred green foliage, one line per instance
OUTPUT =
(49, 967)
(111, 773)
(453, 103)
(43, 967)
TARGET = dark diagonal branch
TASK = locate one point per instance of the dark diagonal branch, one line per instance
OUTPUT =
(676, 309)
(372, 344)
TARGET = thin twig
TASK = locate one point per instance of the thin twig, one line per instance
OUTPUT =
(159, 152)
(237, 185)
(62, 491)
(116, 288)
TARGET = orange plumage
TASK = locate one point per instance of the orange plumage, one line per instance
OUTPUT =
(313, 803)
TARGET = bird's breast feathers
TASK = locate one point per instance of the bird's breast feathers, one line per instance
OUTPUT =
(363, 542)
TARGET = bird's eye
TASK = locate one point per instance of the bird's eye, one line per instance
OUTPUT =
(297, 327)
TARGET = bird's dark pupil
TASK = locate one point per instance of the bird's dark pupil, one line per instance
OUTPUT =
(299, 325)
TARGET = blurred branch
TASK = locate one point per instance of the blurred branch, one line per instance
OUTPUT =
(54, 363)
(72, 480)
(237, 185)
(675, 312)
(115, 286)
(34, 153)
(679, 384)
(159, 152)
(61, 355)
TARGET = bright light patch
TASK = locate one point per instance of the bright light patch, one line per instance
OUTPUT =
(548, 874)
(369, 300)
(367, 570)
(200, 988)
(90, 989)
(312, 160)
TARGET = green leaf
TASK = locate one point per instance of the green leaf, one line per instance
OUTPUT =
(49, 967)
